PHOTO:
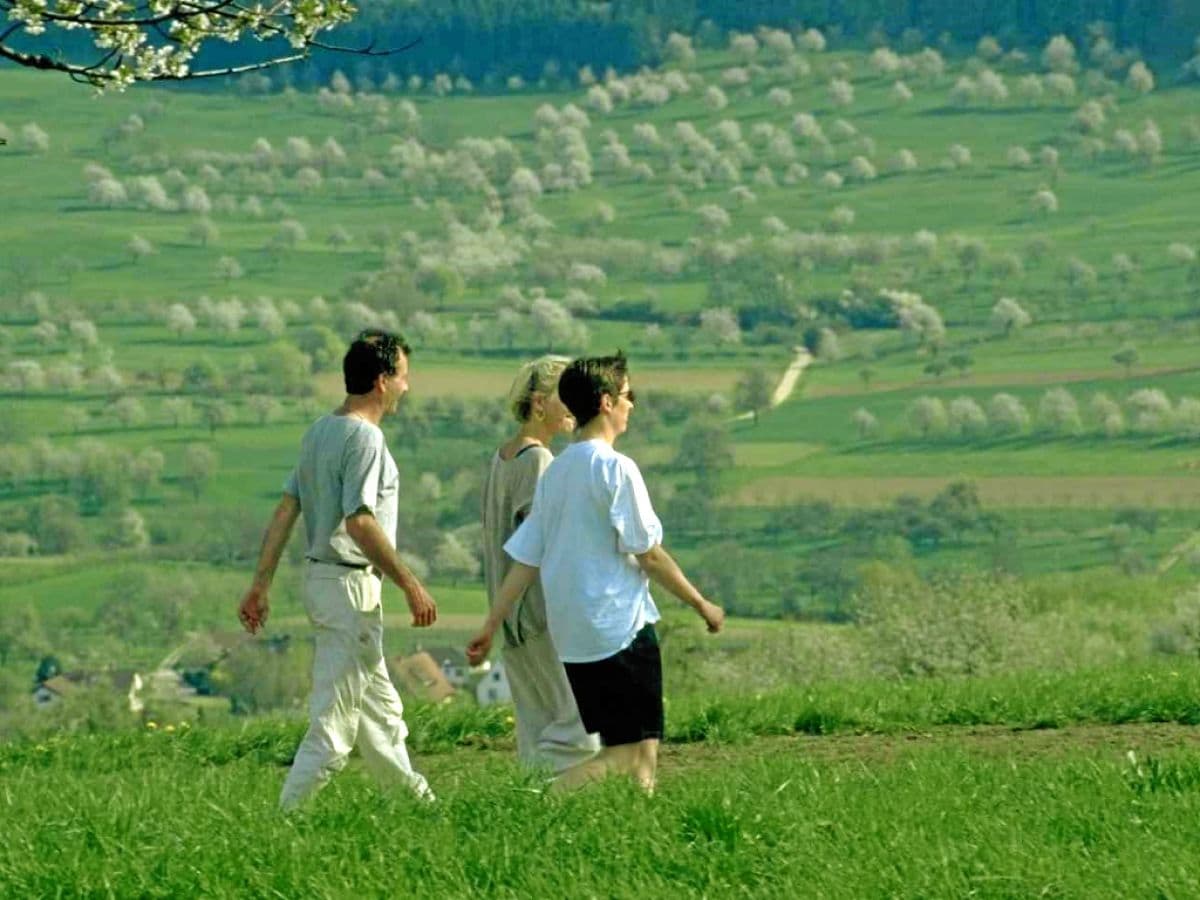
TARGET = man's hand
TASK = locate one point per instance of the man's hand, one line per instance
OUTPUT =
(256, 606)
(254, 609)
(421, 605)
(479, 647)
(713, 616)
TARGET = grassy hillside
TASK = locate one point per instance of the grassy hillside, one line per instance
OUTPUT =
(708, 218)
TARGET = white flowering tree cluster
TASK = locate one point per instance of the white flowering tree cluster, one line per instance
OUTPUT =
(487, 193)
(204, 184)
(492, 173)
(73, 357)
(1057, 413)
(106, 476)
(66, 375)
(916, 317)
(831, 250)
(925, 66)
(159, 40)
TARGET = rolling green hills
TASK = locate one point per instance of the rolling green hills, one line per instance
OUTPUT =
(162, 249)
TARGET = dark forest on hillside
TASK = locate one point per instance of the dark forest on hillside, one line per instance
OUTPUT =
(489, 40)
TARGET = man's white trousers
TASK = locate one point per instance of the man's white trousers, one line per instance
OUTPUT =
(353, 701)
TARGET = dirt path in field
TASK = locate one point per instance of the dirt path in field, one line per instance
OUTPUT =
(993, 379)
(791, 375)
(1110, 741)
(787, 383)
(1116, 741)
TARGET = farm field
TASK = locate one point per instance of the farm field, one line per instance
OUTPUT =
(1055, 491)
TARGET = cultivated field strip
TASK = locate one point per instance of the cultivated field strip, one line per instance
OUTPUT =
(1016, 491)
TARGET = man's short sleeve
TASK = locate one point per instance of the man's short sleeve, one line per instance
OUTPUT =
(292, 485)
(362, 472)
(527, 544)
(630, 512)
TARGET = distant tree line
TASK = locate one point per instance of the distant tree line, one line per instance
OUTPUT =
(489, 40)
(477, 38)
(1156, 26)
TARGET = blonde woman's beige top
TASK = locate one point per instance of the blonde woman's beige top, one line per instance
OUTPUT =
(507, 496)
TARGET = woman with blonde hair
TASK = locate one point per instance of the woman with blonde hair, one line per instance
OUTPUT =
(549, 730)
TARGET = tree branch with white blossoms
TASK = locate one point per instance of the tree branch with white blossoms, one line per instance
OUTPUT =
(156, 40)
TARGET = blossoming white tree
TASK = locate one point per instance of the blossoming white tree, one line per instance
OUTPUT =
(927, 416)
(158, 40)
(1008, 316)
(179, 320)
(967, 417)
(865, 423)
(1059, 413)
(1140, 79)
(1007, 414)
(721, 326)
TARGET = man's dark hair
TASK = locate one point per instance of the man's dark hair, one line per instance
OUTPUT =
(372, 354)
(587, 379)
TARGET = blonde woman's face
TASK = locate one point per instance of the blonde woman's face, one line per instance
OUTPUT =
(558, 417)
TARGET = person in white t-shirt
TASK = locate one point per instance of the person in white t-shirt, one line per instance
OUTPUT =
(596, 542)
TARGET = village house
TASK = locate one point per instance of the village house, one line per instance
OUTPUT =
(493, 686)
(453, 663)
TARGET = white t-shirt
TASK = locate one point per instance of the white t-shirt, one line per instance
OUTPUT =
(590, 513)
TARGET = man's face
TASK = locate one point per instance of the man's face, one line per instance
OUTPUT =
(395, 386)
(622, 407)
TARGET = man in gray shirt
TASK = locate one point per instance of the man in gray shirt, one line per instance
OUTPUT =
(347, 485)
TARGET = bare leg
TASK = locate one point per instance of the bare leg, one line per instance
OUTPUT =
(647, 764)
(636, 760)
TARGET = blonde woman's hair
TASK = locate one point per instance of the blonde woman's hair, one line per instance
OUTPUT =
(539, 376)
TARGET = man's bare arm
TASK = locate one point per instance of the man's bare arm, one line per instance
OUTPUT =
(367, 533)
(518, 580)
(256, 605)
(664, 571)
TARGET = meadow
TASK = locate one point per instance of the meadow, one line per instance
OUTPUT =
(960, 556)
(1087, 810)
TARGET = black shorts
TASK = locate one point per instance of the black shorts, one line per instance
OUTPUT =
(620, 697)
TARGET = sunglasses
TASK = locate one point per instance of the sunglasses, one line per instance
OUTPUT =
(629, 394)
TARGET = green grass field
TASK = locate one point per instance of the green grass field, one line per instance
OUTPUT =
(919, 809)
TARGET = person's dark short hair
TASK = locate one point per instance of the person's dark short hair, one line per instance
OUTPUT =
(589, 378)
(372, 354)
